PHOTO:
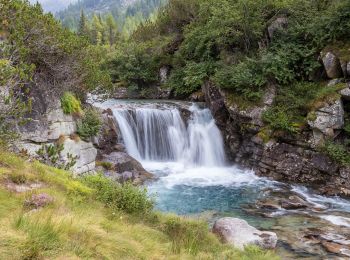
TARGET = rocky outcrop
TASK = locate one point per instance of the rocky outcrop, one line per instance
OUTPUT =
(239, 233)
(287, 158)
(122, 167)
(85, 154)
(327, 121)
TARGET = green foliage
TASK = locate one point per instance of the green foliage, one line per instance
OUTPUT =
(70, 104)
(105, 165)
(52, 155)
(337, 152)
(90, 124)
(120, 197)
(188, 234)
(244, 79)
(294, 104)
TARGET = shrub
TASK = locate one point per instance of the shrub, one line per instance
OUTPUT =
(244, 79)
(120, 197)
(337, 152)
(90, 124)
(18, 177)
(51, 155)
(189, 234)
(278, 119)
(70, 104)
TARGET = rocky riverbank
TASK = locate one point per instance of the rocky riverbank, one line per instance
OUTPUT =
(285, 157)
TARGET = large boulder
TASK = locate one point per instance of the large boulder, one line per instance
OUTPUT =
(125, 168)
(239, 233)
(84, 152)
(332, 65)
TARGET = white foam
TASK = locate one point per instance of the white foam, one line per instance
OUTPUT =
(178, 174)
(337, 220)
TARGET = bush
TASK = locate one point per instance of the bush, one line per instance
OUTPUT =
(278, 119)
(120, 197)
(18, 177)
(244, 79)
(89, 125)
(337, 152)
(189, 234)
(70, 104)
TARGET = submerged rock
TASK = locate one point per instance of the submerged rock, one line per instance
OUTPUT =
(239, 233)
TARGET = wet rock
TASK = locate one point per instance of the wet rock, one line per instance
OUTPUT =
(197, 96)
(121, 93)
(107, 138)
(239, 233)
(38, 201)
(294, 202)
(119, 148)
(332, 65)
(336, 248)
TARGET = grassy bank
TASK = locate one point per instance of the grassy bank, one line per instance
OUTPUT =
(92, 218)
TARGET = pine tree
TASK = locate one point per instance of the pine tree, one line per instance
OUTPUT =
(96, 31)
(83, 29)
(112, 29)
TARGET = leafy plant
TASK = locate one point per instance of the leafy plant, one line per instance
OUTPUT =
(70, 104)
(51, 155)
(120, 197)
(337, 152)
(90, 124)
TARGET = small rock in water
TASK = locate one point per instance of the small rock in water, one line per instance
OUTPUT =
(239, 233)
(293, 202)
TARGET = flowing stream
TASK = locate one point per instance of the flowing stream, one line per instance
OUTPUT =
(180, 143)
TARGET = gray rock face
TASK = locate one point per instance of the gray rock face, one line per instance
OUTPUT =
(332, 65)
(328, 119)
(278, 24)
(85, 152)
(60, 124)
(126, 168)
(284, 157)
(239, 233)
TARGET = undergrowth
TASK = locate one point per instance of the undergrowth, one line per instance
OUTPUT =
(94, 218)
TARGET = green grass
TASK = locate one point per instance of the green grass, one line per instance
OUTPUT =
(89, 219)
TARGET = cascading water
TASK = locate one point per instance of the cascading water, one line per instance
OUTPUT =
(153, 134)
(188, 158)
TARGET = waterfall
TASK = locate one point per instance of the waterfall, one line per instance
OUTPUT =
(160, 134)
